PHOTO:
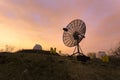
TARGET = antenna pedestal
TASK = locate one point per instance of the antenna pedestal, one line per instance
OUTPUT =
(79, 51)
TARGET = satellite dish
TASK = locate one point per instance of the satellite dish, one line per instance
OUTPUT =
(73, 34)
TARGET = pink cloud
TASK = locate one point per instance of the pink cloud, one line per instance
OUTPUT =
(43, 21)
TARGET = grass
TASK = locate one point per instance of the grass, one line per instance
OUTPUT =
(37, 66)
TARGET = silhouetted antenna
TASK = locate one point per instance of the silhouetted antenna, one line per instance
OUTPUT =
(73, 34)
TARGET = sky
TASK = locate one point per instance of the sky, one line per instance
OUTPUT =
(24, 23)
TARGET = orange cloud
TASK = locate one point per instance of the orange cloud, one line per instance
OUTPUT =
(27, 22)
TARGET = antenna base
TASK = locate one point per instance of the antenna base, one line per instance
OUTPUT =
(79, 51)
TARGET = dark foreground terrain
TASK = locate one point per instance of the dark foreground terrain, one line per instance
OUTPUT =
(41, 66)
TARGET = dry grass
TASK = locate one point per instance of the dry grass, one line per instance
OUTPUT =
(35, 66)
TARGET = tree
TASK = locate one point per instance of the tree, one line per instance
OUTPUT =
(117, 50)
(7, 48)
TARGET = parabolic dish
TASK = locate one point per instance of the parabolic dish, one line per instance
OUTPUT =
(75, 26)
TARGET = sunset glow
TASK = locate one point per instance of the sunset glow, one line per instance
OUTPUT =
(24, 23)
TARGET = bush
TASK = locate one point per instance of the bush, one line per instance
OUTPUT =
(117, 50)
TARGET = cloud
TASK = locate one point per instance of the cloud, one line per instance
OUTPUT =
(42, 21)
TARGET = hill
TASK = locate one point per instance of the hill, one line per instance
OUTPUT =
(39, 66)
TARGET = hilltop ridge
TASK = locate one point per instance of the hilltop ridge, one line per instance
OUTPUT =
(36, 66)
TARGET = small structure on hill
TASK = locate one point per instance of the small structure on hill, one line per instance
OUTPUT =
(100, 54)
(37, 47)
(53, 50)
(92, 55)
(103, 56)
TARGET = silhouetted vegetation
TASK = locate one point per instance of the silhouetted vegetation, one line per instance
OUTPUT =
(7, 48)
(43, 52)
(25, 65)
(116, 51)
